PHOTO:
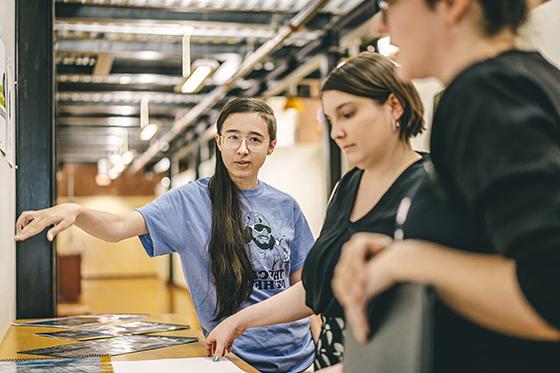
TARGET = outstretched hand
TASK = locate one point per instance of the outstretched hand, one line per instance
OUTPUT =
(60, 217)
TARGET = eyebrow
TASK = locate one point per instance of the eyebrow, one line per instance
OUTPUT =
(336, 109)
(250, 133)
(344, 104)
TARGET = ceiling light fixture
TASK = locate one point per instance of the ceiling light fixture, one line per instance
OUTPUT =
(148, 132)
(385, 47)
(202, 70)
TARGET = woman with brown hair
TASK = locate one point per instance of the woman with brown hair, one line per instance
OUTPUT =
(485, 233)
(373, 116)
(240, 240)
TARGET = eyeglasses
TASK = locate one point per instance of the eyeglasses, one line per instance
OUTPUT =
(253, 143)
(260, 227)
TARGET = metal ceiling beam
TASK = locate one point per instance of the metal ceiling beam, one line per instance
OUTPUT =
(313, 64)
(335, 7)
(143, 50)
(123, 110)
(122, 97)
(316, 63)
(163, 27)
(172, 32)
(158, 79)
(184, 14)
(217, 94)
(123, 122)
(282, 76)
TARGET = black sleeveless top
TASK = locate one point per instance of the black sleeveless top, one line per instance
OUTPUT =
(337, 229)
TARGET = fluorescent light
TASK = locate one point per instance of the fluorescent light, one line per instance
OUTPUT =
(195, 80)
(166, 182)
(227, 69)
(115, 158)
(102, 166)
(144, 111)
(148, 132)
(162, 166)
(385, 47)
(102, 180)
(128, 157)
(113, 173)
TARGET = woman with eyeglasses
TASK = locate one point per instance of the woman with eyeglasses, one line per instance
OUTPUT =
(240, 240)
(373, 117)
(485, 233)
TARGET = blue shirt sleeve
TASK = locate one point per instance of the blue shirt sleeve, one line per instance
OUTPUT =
(164, 218)
(303, 240)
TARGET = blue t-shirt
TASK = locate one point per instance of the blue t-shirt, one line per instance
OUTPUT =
(180, 222)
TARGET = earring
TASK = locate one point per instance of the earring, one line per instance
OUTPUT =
(396, 124)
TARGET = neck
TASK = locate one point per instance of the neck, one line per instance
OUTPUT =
(246, 183)
(464, 51)
(393, 162)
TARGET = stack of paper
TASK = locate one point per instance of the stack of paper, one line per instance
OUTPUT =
(197, 364)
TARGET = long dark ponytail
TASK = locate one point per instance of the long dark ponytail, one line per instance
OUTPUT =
(229, 257)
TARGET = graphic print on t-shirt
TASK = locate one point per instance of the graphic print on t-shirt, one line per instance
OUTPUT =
(270, 253)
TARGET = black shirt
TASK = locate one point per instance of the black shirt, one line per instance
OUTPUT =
(338, 228)
(496, 189)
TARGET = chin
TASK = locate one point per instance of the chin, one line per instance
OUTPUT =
(243, 174)
(355, 161)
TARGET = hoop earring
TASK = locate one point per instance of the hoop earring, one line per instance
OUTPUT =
(396, 125)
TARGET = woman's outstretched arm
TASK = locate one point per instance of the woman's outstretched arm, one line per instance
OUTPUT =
(104, 225)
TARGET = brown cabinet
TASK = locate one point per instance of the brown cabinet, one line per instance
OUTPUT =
(69, 277)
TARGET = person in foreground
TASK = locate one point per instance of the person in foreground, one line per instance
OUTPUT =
(485, 232)
(240, 240)
(373, 116)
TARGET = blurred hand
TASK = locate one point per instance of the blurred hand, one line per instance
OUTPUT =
(362, 273)
(59, 217)
(221, 339)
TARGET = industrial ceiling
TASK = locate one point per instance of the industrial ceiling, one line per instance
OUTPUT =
(112, 54)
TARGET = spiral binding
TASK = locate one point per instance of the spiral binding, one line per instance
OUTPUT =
(100, 355)
(33, 358)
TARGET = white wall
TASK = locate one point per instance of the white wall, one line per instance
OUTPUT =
(7, 188)
(542, 30)
(300, 171)
(427, 89)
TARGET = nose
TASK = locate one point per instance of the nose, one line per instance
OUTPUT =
(243, 149)
(336, 131)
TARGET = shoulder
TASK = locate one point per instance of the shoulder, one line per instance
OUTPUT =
(513, 77)
(348, 182)
(279, 199)
(193, 190)
(495, 99)
(412, 176)
(350, 178)
(272, 192)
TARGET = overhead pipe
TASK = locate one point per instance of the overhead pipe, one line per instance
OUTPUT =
(219, 93)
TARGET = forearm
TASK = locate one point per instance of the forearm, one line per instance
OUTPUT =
(482, 288)
(112, 227)
(287, 306)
